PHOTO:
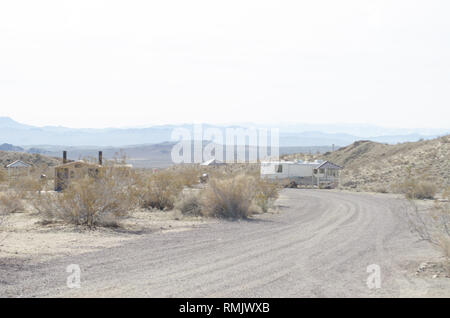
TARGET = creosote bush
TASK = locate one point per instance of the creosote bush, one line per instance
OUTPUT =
(26, 186)
(161, 189)
(229, 198)
(11, 202)
(417, 189)
(189, 204)
(265, 193)
(187, 175)
(3, 175)
(434, 226)
(92, 201)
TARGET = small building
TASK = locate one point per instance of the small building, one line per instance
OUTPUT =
(212, 163)
(302, 172)
(18, 168)
(73, 170)
(68, 171)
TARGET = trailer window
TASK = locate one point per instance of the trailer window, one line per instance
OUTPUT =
(279, 168)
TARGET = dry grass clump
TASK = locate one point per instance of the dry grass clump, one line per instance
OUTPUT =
(230, 197)
(434, 226)
(161, 189)
(189, 204)
(265, 193)
(11, 202)
(232, 169)
(3, 175)
(27, 185)
(417, 189)
(92, 201)
(187, 175)
(380, 189)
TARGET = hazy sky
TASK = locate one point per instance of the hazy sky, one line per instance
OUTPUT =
(122, 63)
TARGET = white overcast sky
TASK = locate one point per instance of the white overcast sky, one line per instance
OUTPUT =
(124, 63)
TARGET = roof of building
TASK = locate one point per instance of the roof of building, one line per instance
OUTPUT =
(328, 164)
(79, 163)
(92, 164)
(212, 162)
(316, 164)
(18, 164)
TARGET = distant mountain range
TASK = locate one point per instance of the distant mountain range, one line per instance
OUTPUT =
(298, 135)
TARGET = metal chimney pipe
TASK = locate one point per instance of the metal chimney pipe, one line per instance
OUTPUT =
(64, 156)
(100, 158)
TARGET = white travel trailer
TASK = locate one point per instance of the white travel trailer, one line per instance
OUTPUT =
(302, 172)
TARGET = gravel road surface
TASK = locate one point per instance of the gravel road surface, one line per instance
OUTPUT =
(320, 244)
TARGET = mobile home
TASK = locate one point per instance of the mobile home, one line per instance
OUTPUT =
(302, 172)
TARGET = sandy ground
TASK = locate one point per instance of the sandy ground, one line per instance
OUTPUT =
(23, 235)
(320, 245)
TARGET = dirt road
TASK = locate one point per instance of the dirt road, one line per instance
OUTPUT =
(319, 245)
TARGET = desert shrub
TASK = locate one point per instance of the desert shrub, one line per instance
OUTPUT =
(92, 201)
(11, 202)
(380, 189)
(189, 204)
(187, 176)
(3, 175)
(229, 198)
(350, 184)
(434, 226)
(160, 190)
(265, 193)
(26, 185)
(232, 169)
(417, 189)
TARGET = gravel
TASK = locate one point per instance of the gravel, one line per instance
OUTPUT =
(319, 245)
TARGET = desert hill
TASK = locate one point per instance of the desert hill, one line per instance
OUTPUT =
(373, 166)
(7, 157)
